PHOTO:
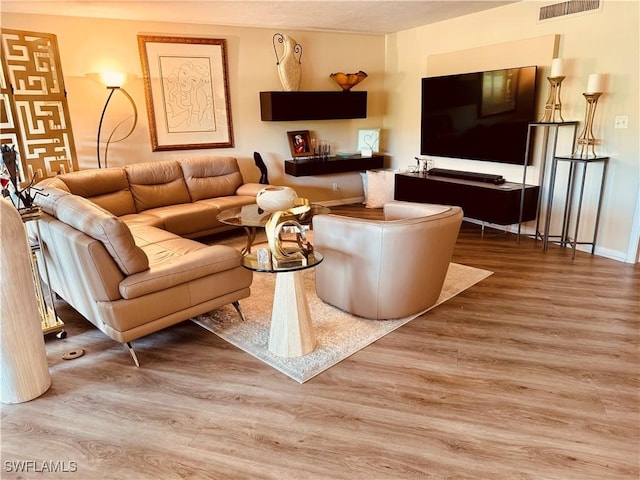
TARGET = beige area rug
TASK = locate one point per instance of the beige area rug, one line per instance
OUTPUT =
(338, 333)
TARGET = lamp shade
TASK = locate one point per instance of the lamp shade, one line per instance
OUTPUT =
(111, 79)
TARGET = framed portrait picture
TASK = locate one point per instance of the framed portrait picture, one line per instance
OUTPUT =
(187, 92)
(300, 143)
(369, 140)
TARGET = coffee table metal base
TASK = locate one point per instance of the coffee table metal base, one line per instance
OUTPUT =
(291, 332)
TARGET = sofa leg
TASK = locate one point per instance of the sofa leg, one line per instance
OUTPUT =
(132, 353)
(236, 304)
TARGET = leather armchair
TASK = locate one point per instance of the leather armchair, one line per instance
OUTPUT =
(386, 269)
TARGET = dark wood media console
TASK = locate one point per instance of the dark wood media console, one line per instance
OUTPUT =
(499, 204)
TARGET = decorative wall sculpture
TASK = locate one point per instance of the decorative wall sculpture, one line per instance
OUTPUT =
(34, 115)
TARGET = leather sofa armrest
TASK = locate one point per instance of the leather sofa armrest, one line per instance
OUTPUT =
(191, 266)
(249, 189)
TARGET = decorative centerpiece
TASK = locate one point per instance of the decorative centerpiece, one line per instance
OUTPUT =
(348, 80)
(290, 255)
(274, 198)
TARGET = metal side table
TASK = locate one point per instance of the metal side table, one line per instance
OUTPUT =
(574, 163)
(49, 319)
(551, 131)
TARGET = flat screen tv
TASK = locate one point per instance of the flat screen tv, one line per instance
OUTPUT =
(480, 115)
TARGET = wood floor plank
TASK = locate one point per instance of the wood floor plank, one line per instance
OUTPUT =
(531, 374)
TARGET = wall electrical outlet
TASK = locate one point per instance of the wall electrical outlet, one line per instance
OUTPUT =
(334, 185)
(621, 121)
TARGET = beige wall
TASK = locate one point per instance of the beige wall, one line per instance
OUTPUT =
(602, 42)
(94, 45)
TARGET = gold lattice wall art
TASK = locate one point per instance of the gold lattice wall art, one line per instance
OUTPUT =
(34, 116)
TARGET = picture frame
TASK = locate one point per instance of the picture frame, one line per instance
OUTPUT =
(300, 143)
(369, 140)
(191, 114)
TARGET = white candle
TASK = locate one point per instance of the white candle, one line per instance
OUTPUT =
(556, 67)
(594, 83)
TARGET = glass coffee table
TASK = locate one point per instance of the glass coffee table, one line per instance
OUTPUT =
(291, 333)
(251, 217)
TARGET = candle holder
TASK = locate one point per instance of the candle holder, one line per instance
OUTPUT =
(586, 138)
(553, 105)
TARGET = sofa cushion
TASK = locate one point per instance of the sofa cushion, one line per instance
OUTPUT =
(108, 188)
(160, 246)
(142, 219)
(105, 227)
(181, 268)
(174, 260)
(157, 184)
(186, 218)
(207, 177)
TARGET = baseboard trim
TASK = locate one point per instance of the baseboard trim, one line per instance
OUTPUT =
(341, 201)
(530, 231)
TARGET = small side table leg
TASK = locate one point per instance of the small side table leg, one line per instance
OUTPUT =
(580, 196)
(251, 237)
(291, 332)
(552, 183)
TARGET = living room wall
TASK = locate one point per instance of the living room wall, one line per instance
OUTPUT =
(94, 45)
(605, 41)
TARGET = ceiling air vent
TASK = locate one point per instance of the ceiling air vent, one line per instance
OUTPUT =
(568, 8)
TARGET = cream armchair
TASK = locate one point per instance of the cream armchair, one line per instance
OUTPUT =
(386, 269)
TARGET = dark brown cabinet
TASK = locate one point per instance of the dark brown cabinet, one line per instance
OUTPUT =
(288, 106)
(499, 204)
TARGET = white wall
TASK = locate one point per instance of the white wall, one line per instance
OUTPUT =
(95, 45)
(605, 42)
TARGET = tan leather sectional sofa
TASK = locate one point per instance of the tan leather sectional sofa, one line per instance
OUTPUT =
(119, 245)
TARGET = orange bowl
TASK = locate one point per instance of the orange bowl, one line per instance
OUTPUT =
(348, 80)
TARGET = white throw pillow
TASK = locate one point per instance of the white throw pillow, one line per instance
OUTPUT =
(380, 188)
(363, 175)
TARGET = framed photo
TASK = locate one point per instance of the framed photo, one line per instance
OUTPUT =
(187, 92)
(300, 143)
(369, 140)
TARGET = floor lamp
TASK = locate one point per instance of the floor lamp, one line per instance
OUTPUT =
(114, 81)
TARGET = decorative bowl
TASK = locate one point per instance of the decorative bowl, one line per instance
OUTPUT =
(276, 198)
(348, 80)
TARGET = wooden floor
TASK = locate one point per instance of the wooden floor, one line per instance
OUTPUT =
(531, 374)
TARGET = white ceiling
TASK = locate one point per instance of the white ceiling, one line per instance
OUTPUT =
(359, 16)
